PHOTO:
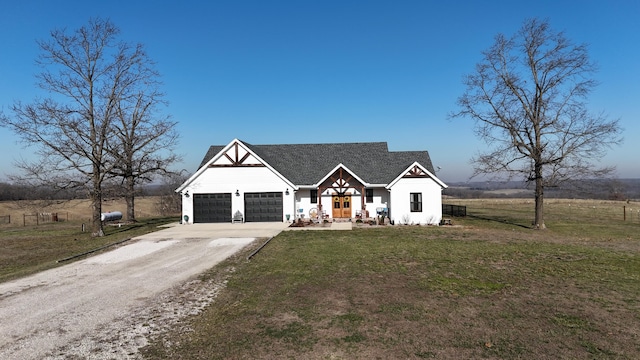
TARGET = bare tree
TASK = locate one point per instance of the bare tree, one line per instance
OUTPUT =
(169, 202)
(528, 99)
(86, 73)
(143, 141)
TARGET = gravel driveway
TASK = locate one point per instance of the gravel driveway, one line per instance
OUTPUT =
(106, 306)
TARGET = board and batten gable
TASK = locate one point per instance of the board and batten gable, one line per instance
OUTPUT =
(416, 180)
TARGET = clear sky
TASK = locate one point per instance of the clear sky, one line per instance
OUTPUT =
(271, 72)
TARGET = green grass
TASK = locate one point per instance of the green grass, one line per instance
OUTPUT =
(488, 289)
(29, 249)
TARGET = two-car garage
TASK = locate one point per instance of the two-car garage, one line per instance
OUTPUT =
(259, 207)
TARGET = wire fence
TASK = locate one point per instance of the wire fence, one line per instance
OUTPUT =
(43, 218)
(571, 210)
(454, 210)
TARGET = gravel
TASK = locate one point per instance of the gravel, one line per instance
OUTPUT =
(110, 305)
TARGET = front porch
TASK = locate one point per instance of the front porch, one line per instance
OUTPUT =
(317, 220)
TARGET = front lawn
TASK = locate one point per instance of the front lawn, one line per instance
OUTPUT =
(486, 289)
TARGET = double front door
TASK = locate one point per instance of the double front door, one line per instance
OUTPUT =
(341, 206)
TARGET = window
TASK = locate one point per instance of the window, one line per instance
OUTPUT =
(369, 195)
(314, 196)
(416, 202)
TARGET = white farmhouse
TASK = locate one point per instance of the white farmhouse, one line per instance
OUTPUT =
(247, 182)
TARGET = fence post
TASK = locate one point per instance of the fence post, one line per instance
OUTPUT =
(624, 212)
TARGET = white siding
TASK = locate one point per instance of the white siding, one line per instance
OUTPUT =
(400, 207)
(303, 201)
(242, 179)
(303, 204)
(380, 200)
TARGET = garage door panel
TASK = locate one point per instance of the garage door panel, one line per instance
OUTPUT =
(212, 208)
(263, 207)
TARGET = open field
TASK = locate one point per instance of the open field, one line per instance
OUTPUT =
(74, 210)
(487, 287)
(557, 211)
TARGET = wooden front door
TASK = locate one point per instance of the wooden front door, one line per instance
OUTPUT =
(341, 206)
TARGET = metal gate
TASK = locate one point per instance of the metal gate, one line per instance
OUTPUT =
(212, 208)
(261, 207)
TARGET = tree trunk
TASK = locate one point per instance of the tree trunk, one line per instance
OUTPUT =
(539, 195)
(130, 198)
(96, 207)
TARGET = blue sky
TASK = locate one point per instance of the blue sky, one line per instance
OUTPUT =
(270, 72)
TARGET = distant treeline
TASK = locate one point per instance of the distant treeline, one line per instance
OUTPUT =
(14, 192)
(618, 189)
(605, 189)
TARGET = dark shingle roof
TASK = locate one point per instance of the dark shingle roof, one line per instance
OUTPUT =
(306, 164)
(213, 150)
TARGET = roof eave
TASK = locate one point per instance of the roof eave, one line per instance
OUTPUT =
(341, 165)
(205, 166)
(429, 174)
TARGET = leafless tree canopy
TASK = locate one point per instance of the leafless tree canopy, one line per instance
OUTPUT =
(168, 201)
(528, 99)
(91, 78)
(143, 139)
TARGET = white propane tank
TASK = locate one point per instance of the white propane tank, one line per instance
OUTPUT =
(111, 216)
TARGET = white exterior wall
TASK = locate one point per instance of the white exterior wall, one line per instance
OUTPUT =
(380, 200)
(243, 179)
(400, 205)
(303, 201)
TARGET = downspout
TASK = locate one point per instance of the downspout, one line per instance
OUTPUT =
(389, 207)
(319, 191)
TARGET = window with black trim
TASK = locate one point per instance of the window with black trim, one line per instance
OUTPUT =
(369, 195)
(416, 202)
(313, 194)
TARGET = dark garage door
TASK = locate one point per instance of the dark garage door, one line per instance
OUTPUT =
(211, 208)
(263, 206)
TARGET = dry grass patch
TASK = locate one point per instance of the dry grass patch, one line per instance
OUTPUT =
(32, 248)
(70, 210)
